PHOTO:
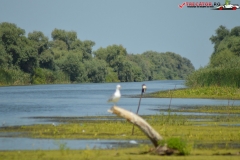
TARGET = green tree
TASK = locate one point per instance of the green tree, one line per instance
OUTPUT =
(85, 47)
(18, 47)
(127, 70)
(96, 70)
(45, 55)
(145, 65)
(231, 43)
(73, 66)
(40, 42)
(223, 59)
(180, 66)
(110, 54)
(5, 59)
(29, 58)
(125, 73)
(235, 31)
(158, 64)
(221, 33)
(59, 45)
(38, 76)
(223, 69)
(168, 65)
(69, 58)
(114, 55)
(10, 36)
(46, 60)
(234, 45)
(111, 75)
(66, 36)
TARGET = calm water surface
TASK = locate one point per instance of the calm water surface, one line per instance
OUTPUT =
(18, 104)
(55, 144)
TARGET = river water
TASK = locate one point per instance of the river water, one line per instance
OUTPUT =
(20, 104)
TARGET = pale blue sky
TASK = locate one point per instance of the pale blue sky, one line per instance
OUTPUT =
(138, 25)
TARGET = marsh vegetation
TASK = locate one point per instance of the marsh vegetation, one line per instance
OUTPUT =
(211, 92)
(202, 135)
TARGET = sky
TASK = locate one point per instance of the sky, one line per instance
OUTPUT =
(137, 25)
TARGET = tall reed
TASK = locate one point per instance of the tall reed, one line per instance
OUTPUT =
(219, 76)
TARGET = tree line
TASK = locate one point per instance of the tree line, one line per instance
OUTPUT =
(36, 59)
(224, 66)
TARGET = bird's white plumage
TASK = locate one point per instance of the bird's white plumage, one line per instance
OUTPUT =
(116, 96)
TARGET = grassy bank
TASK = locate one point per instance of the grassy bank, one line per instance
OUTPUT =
(116, 154)
(224, 109)
(213, 92)
(187, 127)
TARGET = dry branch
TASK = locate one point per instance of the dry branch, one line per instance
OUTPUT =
(139, 122)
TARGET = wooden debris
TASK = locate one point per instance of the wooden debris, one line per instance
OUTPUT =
(139, 122)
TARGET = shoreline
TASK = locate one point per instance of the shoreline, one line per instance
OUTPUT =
(213, 92)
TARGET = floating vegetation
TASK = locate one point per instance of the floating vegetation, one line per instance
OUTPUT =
(212, 92)
(224, 109)
(214, 128)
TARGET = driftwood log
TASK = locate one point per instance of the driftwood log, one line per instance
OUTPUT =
(139, 122)
(153, 135)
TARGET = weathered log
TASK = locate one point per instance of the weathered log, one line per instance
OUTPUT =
(139, 122)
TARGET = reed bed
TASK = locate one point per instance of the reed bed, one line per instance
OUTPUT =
(218, 76)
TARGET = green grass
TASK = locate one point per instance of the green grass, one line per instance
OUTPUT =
(116, 154)
(224, 109)
(213, 92)
(213, 128)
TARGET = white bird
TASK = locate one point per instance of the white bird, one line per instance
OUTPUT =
(116, 96)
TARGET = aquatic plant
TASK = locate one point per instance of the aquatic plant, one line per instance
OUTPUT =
(177, 143)
(199, 92)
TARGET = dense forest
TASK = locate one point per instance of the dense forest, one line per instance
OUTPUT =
(224, 66)
(34, 59)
